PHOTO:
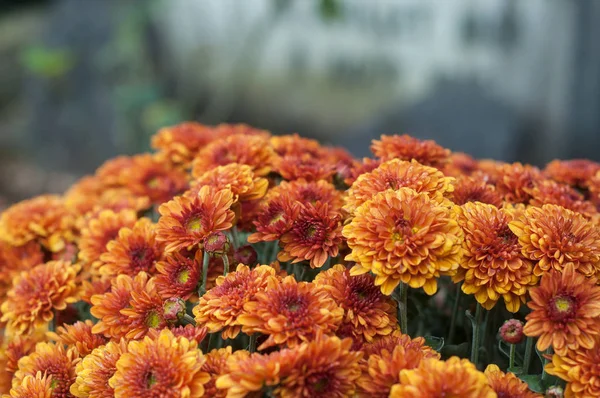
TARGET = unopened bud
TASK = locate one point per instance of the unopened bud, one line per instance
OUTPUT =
(173, 309)
(512, 331)
(216, 244)
(554, 392)
(246, 255)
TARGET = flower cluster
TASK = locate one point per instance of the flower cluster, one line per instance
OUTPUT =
(231, 262)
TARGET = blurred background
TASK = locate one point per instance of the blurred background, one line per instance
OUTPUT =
(85, 80)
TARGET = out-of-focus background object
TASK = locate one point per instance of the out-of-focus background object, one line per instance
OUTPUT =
(84, 80)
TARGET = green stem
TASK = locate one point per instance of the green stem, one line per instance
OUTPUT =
(476, 334)
(273, 252)
(302, 272)
(511, 358)
(455, 306)
(52, 325)
(528, 353)
(188, 320)
(544, 363)
(401, 297)
(225, 264)
(235, 238)
(252, 346)
(205, 262)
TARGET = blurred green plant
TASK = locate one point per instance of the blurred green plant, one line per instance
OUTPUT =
(47, 62)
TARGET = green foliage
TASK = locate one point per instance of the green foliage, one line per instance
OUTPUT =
(47, 62)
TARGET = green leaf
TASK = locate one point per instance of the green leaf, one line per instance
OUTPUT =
(517, 370)
(47, 62)
(437, 343)
(534, 382)
(458, 350)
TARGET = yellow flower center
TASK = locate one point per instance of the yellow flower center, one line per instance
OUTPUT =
(150, 380)
(153, 320)
(183, 276)
(194, 225)
(562, 304)
(321, 385)
(562, 308)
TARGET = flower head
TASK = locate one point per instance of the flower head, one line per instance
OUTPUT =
(574, 172)
(20, 346)
(185, 222)
(434, 378)
(512, 331)
(145, 310)
(217, 244)
(472, 189)
(358, 168)
(78, 335)
(245, 255)
(552, 192)
(579, 368)
(38, 386)
(248, 374)
(216, 366)
(166, 366)
(134, 250)
(460, 164)
(290, 312)
(274, 219)
(554, 237)
(403, 236)
(405, 147)
(14, 259)
(514, 180)
(564, 311)
(107, 307)
(507, 384)
(178, 275)
(220, 308)
(492, 265)
(181, 143)
(239, 178)
(190, 332)
(37, 293)
(304, 166)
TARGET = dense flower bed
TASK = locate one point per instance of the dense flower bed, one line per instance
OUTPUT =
(235, 263)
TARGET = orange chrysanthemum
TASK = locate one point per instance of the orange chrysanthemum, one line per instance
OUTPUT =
(37, 293)
(96, 369)
(249, 374)
(238, 177)
(190, 332)
(181, 143)
(314, 236)
(99, 231)
(460, 164)
(224, 130)
(38, 386)
(134, 250)
(78, 335)
(492, 265)
(405, 147)
(145, 309)
(310, 192)
(290, 312)
(274, 218)
(93, 287)
(366, 165)
(166, 366)
(434, 378)
(15, 259)
(554, 237)
(252, 150)
(109, 173)
(515, 179)
(579, 368)
(107, 307)
(219, 309)
(574, 172)
(45, 219)
(404, 236)
(154, 177)
(385, 358)
(304, 166)
(293, 144)
(20, 346)
(564, 311)
(366, 309)
(55, 361)
(324, 367)
(394, 175)
(471, 189)
(551, 192)
(507, 384)
(178, 275)
(185, 222)
(216, 366)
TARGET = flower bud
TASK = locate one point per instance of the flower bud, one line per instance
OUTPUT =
(246, 255)
(554, 392)
(512, 331)
(173, 309)
(216, 244)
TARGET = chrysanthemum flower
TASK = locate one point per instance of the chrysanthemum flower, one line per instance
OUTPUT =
(134, 250)
(55, 361)
(96, 369)
(181, 143)
(274, 219)
(44, 218)
(99, 231)
(434, 378)
(314, 236)
(515, 179)
(507, 384)
(324, 367)
(575, 172)
(552, 192)
(472, 189)
(403, 236)
(37, 293)
(253, 150)
(293, 144)
(385, 358)
(179, 275)
(219, 309)
(492, 266)
(224, 130)
(247, 375)
(145, 309)
(405, 147)
(238, 177)
(20, 346)
(78, 335)
(564, 311)
(38, 386)
(107, 307)
(305, 167)
(311, 192)
(167, 366)
(366, 309)
(290, 312)
(366, 165)
(153, 176)
(93, 287)
(460, 164)
(394, 175)
(216, 366)
(109, 173)
(185, 222)
(14, 259)
(190, 332)
(579, 368)
(554, 237)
